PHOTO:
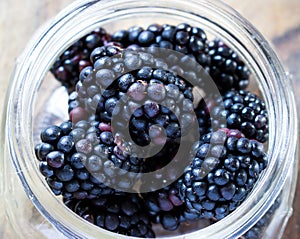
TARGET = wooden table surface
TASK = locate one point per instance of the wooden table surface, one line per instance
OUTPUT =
(277, 20)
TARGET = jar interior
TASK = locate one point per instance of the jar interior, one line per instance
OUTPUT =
(49, 105)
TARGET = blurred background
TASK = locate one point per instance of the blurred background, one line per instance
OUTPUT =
(277, 20)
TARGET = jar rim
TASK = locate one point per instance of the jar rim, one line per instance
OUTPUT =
(29, 74)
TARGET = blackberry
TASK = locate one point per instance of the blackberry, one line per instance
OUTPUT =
(83, 161)
(76, 111)
(226, 68)
(132, 90)
(68, 65)
(240, 110)
(182, 38)
(222, 173)
(121, 214)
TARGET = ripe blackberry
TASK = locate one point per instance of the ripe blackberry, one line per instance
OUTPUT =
(240, 110)
(182, 38)
(68, 65)
(226, 68)
(222, 173)
(132, 91)
(121, 214)
(84, 162)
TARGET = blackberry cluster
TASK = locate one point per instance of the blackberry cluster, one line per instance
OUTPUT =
(240, 110)
(144, 100)
(121, 214)
(137, 88)
(224, 169)
(226, 68)
(82, 161)
(67, 67)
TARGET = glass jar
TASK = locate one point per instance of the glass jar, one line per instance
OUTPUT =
(32, 90)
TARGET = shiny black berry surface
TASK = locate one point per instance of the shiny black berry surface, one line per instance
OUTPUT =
(223, 171)
(84, 160)
(182, 38)
(240, 110)
(69, 64)
(226, 68)
(121, 214)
